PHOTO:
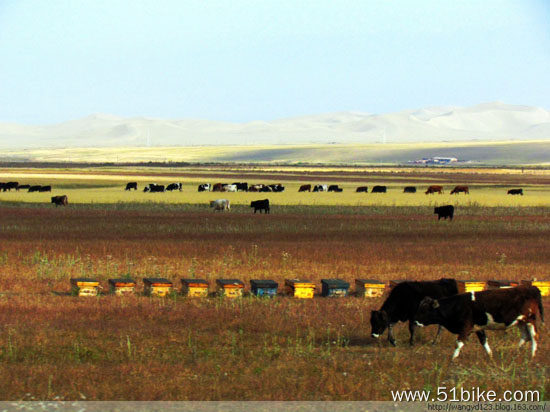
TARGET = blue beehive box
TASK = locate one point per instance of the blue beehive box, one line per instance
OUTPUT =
(263, 287)
(334, 287)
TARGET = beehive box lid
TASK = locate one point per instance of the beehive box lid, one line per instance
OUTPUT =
(195, 282)
(369, 282)
(263, 283)
(502, 282)
(335, 283)
(122, 282)
(157, 281)
(299, 283)
(228, 283)
(84, 281)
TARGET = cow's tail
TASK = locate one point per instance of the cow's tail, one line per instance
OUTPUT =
(541, 308)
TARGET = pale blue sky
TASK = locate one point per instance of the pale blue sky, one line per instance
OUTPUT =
(240, 60)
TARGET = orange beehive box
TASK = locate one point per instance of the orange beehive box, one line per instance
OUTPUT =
(466, 286)
(497, 284)
(301, 289)
(85, 286)
(230, 288)
(194, 288)
(157, 286)
(543, 285)
(122, 286)
(369, 288)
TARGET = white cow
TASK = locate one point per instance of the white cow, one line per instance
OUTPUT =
(229, 188)
(220, 204)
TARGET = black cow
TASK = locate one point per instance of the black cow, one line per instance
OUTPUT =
(277, 188)
(378, 189)
(34, 188)
(205, 187)
(131, 185)
(60, 200)
(444, 212)
(515, 192)
(490, 309)
(260, 205)
(154, 188)
(334, 188)
(10, 185)
(362, 189)
(265, 188)
(174, 186)
(402, 304)
(45, 189)
(409, 189)
(23, 187)
(241, 187)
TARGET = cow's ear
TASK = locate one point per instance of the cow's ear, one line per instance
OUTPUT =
(435, 304)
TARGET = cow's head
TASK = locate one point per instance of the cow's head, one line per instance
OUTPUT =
(426, 311)
(379, 321)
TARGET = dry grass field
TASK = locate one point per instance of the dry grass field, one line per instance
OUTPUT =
(55, 345)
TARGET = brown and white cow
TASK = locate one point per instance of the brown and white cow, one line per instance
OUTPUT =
(434, 189)
(305, 188)
(458, 189)
(490, 309)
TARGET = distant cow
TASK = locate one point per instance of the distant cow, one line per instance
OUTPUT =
(489, 309)
(229, 188)
(241, 187)
(10, 185)
(305, 188)
(260, 205)
(45, 189)
(265, 188)
(34, 188)
(60, 200)
(277, 187)
(220, 204)
(434, 189)
(378, 189)
(515, 192)
(334, 188)
(131, 185)
(255, 188)
(205, 187)
(23, 187)
(154, 188)
(459, 189)
(320, 188)
(402, 303)
(174, 186)
(362, 189)
(218, 187)
(444, 212)
(409, 189)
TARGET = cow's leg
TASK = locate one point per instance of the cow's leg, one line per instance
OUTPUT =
(525, 337)
(439, 327)
(391, 339)
(483, 340)
(459, 345)
(412, 328)
(533, 335)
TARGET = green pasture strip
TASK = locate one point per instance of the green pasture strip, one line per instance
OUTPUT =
(370, 210)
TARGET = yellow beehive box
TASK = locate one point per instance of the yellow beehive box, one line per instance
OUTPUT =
(194, 288)
(466, 286)
(498, 284)
(230, 288)
(543, 285)
(122, 286)
(85, 286)
(157, 286)
(301, 289)
(369, 288)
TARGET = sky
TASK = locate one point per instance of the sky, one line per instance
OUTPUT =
(245, 60)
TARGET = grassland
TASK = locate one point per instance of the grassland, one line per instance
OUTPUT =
(53, 344)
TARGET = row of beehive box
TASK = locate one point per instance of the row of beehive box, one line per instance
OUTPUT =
(263, 287)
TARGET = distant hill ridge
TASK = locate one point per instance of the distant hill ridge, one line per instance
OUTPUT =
(483, 122)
